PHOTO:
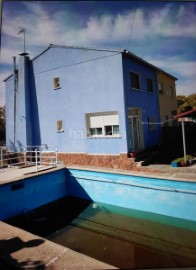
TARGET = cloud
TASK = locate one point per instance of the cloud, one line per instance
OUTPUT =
(181, 69)
(43, 29)
(175, 65)
(45, 23)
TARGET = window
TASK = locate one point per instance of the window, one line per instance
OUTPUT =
(170, 92)
(59, 125)
(151, 123)
(135, 80)
(149, 83)
(95, 131)
(102, 124)
(56, 83)
(111, 130)
(160, 86)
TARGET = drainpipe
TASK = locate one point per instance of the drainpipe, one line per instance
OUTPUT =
(15, 89)
(158, 105)
(184, 141)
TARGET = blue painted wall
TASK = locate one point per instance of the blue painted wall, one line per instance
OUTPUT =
(148, 102)
(85, 88)
(90, 81)
(23, 130)
(10, 112)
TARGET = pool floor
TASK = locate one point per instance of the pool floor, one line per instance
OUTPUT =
(118, 236)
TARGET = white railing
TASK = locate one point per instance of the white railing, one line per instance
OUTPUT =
(38, 156)
(41, 155)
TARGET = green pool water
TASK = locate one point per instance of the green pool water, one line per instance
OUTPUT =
(125, 238)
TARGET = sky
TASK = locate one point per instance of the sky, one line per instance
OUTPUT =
(162, 33)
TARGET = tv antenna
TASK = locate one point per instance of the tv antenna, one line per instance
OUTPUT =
(23, 30)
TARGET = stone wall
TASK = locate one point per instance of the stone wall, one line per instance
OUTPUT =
(107, 161)
(121, 161)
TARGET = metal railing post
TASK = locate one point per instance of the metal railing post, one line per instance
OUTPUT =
(25, 156)
(56, 156)
(36, 160)
(40, 154)
(1, 159)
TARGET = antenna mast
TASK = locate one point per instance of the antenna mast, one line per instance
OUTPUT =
(23, 30)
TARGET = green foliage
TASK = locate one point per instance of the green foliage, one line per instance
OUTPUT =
(2, 123)
(188, 157)
(186, 103)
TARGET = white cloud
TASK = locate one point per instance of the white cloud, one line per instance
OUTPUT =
(183, 70)
(175, 65)
(59, 27)
(186, 87)
(43, 30)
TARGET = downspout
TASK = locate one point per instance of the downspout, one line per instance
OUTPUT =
(158, 103)
(124, 60)
(15, 89)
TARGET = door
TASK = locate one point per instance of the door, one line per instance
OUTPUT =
(135, 129)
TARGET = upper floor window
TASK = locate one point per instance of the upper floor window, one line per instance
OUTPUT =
(59, 126)
(160, 86)
(56, 83)
(135, 80)
(102, 124)
(149, 83)
(170, 91)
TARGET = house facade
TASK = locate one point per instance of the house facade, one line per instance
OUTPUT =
(167, 98)
(85, 101)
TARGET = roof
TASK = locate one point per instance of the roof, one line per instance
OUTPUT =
(78, 47)
(126, 53)
(191, 113)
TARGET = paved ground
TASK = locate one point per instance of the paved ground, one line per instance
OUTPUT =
(22, 250)
(13, 174)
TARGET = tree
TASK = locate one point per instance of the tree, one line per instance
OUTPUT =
(2, 123)
(186, 103)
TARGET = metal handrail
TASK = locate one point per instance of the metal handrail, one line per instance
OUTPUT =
(37, 155)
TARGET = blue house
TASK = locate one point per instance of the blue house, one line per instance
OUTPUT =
(84, 100)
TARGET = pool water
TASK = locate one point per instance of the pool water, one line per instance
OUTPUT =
(125, 238)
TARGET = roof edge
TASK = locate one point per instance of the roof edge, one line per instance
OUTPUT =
(149, 64)
(193, 111)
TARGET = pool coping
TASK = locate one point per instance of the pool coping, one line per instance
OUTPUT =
(20, 247)
(27, 173)
(164, 175)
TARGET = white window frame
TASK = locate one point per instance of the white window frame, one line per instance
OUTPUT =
(103, 123)
(138, 89)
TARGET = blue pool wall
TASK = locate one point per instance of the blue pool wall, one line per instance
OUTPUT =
(166, 197)
(24, 195)
(171, 198)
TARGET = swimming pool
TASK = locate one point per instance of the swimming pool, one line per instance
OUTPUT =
(127, 221)
(166, 197)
